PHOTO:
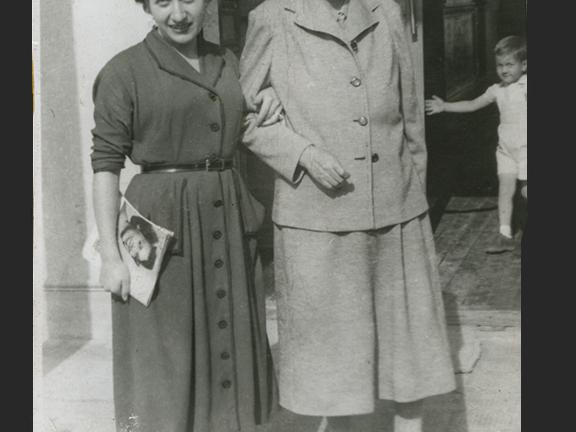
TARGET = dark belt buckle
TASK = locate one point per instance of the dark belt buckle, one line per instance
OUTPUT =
(214, 164)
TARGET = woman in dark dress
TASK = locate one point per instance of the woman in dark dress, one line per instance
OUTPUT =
(197, 359)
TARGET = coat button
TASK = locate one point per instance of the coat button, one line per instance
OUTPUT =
(225, 355)
(363, 121)
(218, 263)
(226, 384)
(356, 82)
(215, 127)
(220, 294)
(213, 96)
(217, 235)
(375, 157)
(218, 203)
(223, 324)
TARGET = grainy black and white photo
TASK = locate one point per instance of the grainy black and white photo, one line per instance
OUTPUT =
(279, 215)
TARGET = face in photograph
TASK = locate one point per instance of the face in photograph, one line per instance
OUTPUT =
(139, 239)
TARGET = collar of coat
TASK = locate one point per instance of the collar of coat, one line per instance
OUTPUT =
(169, 60)
(317, 16)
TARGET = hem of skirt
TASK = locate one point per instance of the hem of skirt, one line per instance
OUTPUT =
(323, 413)
(419, 397)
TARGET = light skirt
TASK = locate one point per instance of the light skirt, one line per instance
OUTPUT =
(361, 318)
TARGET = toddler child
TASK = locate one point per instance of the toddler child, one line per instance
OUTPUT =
(510, 94)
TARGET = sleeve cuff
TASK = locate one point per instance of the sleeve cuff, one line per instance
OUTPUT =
(299, 171)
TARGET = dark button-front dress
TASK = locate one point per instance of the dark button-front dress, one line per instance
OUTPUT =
(197, 359)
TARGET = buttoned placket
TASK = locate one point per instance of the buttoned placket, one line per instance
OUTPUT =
(222, 344)
(363, 122)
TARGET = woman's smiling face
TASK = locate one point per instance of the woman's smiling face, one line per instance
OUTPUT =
(179, 21)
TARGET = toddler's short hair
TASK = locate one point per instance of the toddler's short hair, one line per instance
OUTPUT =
(512, 45)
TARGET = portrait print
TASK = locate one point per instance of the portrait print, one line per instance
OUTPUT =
(142, 245)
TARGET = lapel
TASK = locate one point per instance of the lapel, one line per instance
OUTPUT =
(317, 16)
(169, 60)
(361, 17)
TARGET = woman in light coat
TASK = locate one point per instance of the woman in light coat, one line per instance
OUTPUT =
(360, 308)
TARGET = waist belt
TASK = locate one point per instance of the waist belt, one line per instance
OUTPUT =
(209, 164)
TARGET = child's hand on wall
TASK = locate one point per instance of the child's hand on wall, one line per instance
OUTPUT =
(434, 105)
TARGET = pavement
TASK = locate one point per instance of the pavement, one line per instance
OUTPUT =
(77, 388)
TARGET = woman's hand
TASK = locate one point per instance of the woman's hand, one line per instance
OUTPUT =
(434, 105)
(270, 107)
(323, 167)
(115, 278)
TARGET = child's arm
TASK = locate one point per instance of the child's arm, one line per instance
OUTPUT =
(437, 105)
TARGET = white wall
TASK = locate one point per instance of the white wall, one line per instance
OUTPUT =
(76, 38)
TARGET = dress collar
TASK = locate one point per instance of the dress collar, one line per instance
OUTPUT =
(169, 60)
(522, 81)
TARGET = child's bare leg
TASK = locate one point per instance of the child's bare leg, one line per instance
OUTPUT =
(506, 190)
(408, 416)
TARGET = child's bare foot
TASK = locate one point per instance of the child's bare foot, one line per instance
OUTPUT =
(501, 245)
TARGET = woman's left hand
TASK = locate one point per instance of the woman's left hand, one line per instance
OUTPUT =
(270, 107)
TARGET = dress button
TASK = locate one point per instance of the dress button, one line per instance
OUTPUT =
(215, 127)
(226, 384)
(363, 121)
(217, 235)
(225, 355)
(375, 157)
(218, 203)
(223, 324)
(213, 96)
(356, 82)
(218, 263)
(221, 294)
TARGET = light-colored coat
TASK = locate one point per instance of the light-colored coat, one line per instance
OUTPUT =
(351, 92)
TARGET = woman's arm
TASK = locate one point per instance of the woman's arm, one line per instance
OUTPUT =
(111, 136)
(277, 145)
(114, 274)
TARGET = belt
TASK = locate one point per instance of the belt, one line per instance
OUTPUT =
(209, 164)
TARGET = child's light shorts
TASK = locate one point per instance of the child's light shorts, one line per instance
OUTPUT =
(512, 151)
(512, 162)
